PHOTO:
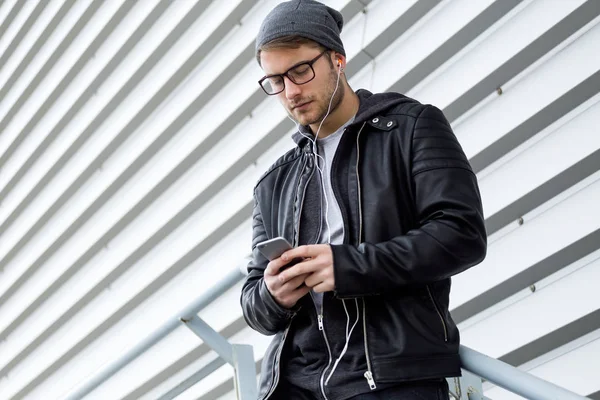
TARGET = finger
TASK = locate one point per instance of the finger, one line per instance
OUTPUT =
(292, 291)
(289, 285)
(273, 283)
(299, 293)
(303, 267)
(307, 251)
(323, 287)
(293, 284)
(274, 266)
(313, 279)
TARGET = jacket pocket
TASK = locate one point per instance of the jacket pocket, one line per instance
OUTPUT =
(405, 325)
(437, 308)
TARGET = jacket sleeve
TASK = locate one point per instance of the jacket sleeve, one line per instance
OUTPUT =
(450, 233)
(261, 312)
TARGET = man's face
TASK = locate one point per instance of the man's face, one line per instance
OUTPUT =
(306, 103)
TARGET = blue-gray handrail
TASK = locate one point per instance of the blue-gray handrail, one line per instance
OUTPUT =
(169, 326)
(513, 379)
(498, 372)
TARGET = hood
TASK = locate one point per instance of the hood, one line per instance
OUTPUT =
(371, 105)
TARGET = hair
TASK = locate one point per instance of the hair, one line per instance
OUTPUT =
(289, 42)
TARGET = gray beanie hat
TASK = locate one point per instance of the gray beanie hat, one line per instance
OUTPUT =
(306, 18)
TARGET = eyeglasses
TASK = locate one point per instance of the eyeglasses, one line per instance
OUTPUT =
(299, 74)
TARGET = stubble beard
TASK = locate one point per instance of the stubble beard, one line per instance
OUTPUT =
(324, 102)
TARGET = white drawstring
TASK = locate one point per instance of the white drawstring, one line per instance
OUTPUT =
(317, 157)
(348, 335)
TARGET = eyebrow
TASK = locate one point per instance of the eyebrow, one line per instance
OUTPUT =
(293, 66)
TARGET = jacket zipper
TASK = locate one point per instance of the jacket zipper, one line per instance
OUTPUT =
(320, 313)
(322, 329)
(280, 348)
(438, 313)
(369, 373)
(297, 238)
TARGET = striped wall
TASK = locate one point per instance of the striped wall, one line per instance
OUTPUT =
(132, 133)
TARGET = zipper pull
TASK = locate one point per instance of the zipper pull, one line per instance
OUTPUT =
(320, 321)
(370, 380)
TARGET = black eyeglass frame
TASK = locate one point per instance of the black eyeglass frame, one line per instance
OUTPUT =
(285, 74)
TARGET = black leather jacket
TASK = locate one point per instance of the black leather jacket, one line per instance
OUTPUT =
(412, 218)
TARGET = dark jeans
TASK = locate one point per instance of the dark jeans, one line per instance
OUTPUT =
(424, 390)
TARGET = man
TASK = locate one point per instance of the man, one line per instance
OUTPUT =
(380, 203)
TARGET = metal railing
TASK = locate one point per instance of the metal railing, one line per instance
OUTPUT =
(476, 366)
(183, 316)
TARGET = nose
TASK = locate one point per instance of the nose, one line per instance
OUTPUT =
(291, 89)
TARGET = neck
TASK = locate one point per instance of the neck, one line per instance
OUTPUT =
(344, 111)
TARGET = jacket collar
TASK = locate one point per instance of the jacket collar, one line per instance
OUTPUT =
(371, 108)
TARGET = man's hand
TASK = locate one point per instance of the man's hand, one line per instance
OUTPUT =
(317, 267)
(285, 292)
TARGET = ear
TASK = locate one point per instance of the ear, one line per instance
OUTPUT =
(340, 61)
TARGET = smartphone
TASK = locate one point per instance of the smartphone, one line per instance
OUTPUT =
(274, 248)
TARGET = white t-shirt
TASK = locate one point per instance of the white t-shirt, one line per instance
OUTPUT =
(331, 217)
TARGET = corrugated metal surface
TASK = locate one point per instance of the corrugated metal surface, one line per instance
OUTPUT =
(132, 133)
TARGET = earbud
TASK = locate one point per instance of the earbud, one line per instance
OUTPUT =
(339, 62)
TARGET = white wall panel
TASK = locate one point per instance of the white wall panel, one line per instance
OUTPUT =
(68, 59)
(159, 306)
(76, 89)
(5, 8)
(552, 148)
(528, 315)
(529, 93)
(26, 44)
(44, 237)
(16, 25)
(132, 135)
(424, 37)
(493, 48)
(112, 210)
(573, 366)
(174, 346)
(558, 223)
